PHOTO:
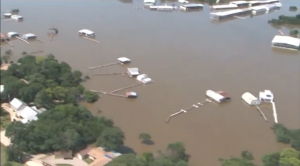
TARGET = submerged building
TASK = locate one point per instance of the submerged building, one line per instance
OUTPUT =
(230, 13)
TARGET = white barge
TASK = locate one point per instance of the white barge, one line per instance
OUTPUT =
(224, 7)
(286, 42)
(191, 6)
(250, 99)
(218, 96)
(230, 13)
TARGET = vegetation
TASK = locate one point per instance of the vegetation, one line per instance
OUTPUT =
(282, 20)
(286, 157)
(146, 138)
(287, 136)
(4, 119)
(293, 8)
(174, 156)
(49, 83)
(3, 158)
(294, 32)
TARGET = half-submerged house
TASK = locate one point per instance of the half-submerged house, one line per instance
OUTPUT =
(218, 96)
(250, 99)
(286, 42)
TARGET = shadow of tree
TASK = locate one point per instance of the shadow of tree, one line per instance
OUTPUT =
(125, 149)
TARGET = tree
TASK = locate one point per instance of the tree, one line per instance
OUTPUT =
(271, 159)
(6, 58)
(176, 151)
(247, 155)
(14, 154)
(111, 138)
(90, 97)
(233, 161)
(145, 137)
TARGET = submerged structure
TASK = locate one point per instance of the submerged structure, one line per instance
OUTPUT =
(218, 96)
(133, 72)
(143, 78)
(191, 6)
(29, 36)
(286, 42)
(13, 34)
(250, 99)
(224, 7)
(87, 33)
(16, 17)
(229, 13)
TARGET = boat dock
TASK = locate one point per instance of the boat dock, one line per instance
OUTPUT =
(188, 109)
(109, 64)
(274, 112)
(91, 39)
(262, 114)
(127, 87)
(22, 39)
(123, 73)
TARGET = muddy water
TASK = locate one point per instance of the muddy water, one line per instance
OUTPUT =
(185, 54)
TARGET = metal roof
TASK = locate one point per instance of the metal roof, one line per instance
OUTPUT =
(27, 113)
(224, 6)
(1, 88)
(29, 35)
(123, 59)
(235, 11)
(192, 5)
(16, 103)
(238, 2)
(89, 32)
(286, 40)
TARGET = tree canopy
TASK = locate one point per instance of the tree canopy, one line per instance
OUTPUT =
(44, 81)
(65, 127)
(282, 20)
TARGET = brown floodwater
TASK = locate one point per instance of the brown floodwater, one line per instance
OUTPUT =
(185, 53)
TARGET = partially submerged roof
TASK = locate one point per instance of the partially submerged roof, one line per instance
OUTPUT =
(225, 6)
(29, 35)
(192, 5)
(229, 12)
(123, 59)
(86, 31)
(239, 2)
(286, 40)
(133, 71)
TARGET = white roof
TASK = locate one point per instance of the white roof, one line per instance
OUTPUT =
(7, 14)
(149, 1)
(214, 95)
(16, 103)
(146, 80)
(12, 33)
(1, 88)
(235, 11)
(248, 96)
(251, 2)
(192, 5)
(27, 113)
(89, 32)
(141, 77)
(124, 59)
(238, 2)
(259, 7)
(286, 40)
(29, 35)
(161, 7)
(133, 93)
(224, 6)
(133, 71)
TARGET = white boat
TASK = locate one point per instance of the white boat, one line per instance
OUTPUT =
(266, 96)
(87, 33)
(218, 96)
(250, 99)
(7, 15)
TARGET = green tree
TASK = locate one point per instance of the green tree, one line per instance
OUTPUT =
(90, 97)
(247, 155)
(111, 138)
(14, 154)
(145, 137)
(271, 159)
(176, 151)
(126, 160)
(236, 162)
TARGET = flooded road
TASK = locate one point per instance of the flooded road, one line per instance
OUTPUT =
(185, 53)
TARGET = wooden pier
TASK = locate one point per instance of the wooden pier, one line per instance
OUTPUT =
(107, 74)
(274, 112)
(102, 92)
(22, 39)
(9, 43)
(262, 114)
(188, 109)
(51, 36)
(118, 95)
(91, 39)
(127, 87)
(109, 64)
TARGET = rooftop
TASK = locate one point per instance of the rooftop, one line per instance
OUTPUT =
(235, 11)
(239, 2)
(27, 113)
(192, 5)
(123, 59)
(225, 6)
(16, 103)
(89, 32)
(1, 88)
(286, 40)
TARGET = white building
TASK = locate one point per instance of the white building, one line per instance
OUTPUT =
(286, 42)
(250, 99)
(25, 112)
